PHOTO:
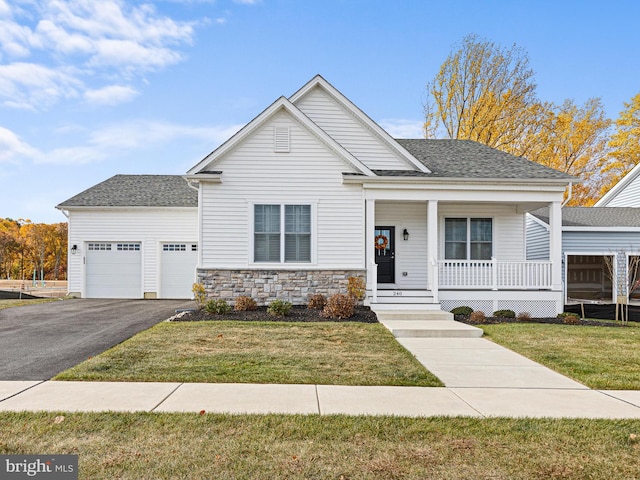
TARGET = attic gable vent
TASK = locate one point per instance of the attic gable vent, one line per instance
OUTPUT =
(281, 139)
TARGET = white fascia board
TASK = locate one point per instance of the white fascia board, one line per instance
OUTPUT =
(618, 187)
(412, 183)
(542, 223)
(281, 104)
(204, 177)
(601, 229)
(380, 132)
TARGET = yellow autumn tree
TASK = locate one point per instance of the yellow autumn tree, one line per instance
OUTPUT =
(486, 93)
(624, 144)
(574, 140)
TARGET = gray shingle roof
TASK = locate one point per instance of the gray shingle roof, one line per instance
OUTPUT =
(469, 159)
(594, 216)
(137, 191)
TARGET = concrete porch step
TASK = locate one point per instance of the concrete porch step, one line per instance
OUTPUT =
(431, 328)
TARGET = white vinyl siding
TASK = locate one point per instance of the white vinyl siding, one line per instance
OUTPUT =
(537, 240)
(310, 174)
(629, 196)
(349, 132)
(149, 227)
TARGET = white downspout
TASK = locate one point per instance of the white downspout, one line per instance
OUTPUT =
(569, 195)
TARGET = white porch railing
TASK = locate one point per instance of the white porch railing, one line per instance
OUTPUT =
(494, 274)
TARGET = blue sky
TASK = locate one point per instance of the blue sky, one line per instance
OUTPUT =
(89, 89)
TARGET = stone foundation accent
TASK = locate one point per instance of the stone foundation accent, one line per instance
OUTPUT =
(264, 286)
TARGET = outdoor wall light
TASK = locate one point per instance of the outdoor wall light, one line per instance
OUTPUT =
(74, 249)
(405, 234)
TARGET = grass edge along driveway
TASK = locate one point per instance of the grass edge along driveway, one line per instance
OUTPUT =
(330, 353)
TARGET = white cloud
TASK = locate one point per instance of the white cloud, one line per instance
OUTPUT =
(247, 2)
(110, 95)
(403, 128)
(112, 141)
(78, 40)
(31, 86)
(13, 149)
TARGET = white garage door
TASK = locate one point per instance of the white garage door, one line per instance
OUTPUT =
(114, 270)
(178, 269)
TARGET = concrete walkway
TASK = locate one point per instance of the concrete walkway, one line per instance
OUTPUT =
(316, 399)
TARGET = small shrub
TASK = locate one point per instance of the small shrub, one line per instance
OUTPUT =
(217, 307)
(504, 314)
(199, 294)
(524, 316)
(244, 303)
(570, 319)
(464, 310)
(339, 306)
(280, 308)
(477, 317)
(356, 287)
(317, 301)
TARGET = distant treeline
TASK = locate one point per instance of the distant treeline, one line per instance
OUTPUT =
(32, 248)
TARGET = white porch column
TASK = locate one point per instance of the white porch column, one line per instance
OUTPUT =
(432, 247)
(369, 247)
(555, 244)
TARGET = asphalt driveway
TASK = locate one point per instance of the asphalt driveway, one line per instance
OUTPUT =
(39, 341)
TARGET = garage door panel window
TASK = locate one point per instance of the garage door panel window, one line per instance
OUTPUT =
(272, 224)
(128, 247)
(99, 246)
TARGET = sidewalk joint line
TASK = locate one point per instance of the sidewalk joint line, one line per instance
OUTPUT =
(318, 400)
(167, 396)
(22, 391)
(470, 406)
(606, 394)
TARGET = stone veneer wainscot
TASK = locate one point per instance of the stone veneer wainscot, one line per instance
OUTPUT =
(265, 286)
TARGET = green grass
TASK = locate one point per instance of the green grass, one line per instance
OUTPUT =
(171, 446)
(19, 303)
(258, 352)
(599, 357)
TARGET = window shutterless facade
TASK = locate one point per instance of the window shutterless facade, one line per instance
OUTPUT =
(282, 233)
(468, 238)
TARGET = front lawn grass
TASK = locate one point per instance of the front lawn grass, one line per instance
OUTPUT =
(605, 358)
(258, 352)
(19, 303)
(170, 446)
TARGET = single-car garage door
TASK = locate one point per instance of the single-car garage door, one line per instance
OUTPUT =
(113, 270)
(178, 269)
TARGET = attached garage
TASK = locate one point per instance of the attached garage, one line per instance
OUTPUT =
(113, 270)
(178, 263)
(133, 236)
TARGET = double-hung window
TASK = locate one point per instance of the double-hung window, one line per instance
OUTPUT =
(468, 238)
(282, 233)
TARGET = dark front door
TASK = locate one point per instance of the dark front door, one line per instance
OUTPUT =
(385, 254)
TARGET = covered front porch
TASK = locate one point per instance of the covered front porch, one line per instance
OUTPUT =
(436, 254)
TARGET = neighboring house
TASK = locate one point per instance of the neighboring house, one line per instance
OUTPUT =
(311, 192)
(625, 193)
(592, 237)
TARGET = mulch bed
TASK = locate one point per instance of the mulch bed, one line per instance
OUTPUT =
(298, 314)
(301, 313)
(556, 321)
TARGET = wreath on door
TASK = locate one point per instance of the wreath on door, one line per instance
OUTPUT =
(381, 242)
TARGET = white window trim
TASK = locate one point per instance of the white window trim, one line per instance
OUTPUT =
(443, 241)
(282, 264)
